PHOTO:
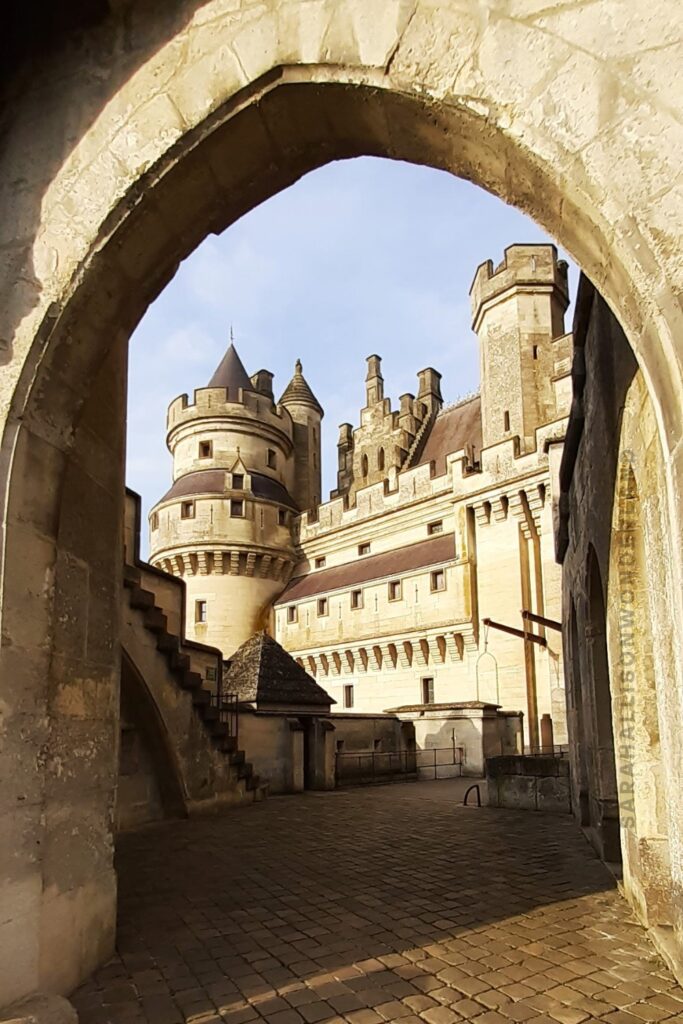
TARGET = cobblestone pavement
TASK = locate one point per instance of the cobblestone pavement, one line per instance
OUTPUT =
(382, 904)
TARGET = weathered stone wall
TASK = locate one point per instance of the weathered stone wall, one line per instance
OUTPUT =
(620, 640)
(124, 144)
(529, 784)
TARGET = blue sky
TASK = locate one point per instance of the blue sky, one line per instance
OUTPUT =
(358, 257)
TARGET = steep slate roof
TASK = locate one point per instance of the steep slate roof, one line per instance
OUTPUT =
(298, 391)
(212, 481)
(371, 567)
(262, 672)
(452, 430)
(230, 372)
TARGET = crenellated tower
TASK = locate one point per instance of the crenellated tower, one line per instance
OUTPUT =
(225, 524)
(518, 313)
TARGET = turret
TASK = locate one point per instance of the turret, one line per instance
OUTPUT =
(518, 313)
(374, 382)
(307, 414)
(225, 524)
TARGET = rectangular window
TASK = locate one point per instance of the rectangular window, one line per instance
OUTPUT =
(428, 690)
(356, 599)
(320, 562)
(187, 510)
(438, 580)
(506, 420)
(200, 611)
(322, 606)
(395, 590)
(238, 481)
(364, 549)
(155, 520)
(291, 613)
(348, 696)
(271, 458)
(237, 508)
(205, 449)
(435, 527)
(281, 517)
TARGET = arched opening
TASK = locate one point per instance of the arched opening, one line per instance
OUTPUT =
(604, 807)
(364, 467)
(575, 714)
(240, 137)
(380, 460)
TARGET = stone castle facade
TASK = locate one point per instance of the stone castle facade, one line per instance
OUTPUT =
(442, 517)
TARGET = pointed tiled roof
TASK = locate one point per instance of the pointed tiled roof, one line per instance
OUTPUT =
(298, 391)
(230, 372)
(262, 672)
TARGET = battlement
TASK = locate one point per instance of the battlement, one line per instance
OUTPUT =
(523, 266)
(232, 403)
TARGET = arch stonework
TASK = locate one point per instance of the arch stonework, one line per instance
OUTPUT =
(123, 147)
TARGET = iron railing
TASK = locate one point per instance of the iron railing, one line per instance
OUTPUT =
(227, 705)
(364, 767)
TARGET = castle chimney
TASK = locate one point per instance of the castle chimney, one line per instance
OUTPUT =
(374, 382)
(263, 383)
(429, 389)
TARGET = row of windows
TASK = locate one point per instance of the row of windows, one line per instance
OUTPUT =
(237, 511)
(426, 692)
(365, 549)
(437, 582)
(206, 452)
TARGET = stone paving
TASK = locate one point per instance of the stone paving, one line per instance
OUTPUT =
(382, 904)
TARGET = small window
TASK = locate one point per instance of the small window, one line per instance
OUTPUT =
(291, 613)
(348, 696)
(200, 611)
(237, 508)
(205, 449)
(506, 420)
(320, 562)
(364, 466)
(271, 458)
(364, 549)
(428, 690)
(435, 527)
(535, 351)
(378, 744)
(322, 606)
(380, 459)
(340, 746)
(238, 481)
(395, 590)
(281, 517)
(155, 520)
(187, 510)
(438, 580)
(356, 599)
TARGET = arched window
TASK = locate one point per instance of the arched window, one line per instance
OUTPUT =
(380, 459)
(364, 466)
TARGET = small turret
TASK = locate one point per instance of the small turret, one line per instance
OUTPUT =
(429, 390)
(307, 413)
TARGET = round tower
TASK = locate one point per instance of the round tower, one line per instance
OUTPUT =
(225, 523)
(306, 413)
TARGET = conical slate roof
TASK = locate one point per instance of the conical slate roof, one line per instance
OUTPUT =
(230, 372)
(262, 672)
(298, 391)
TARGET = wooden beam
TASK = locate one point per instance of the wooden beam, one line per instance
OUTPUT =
(533, 637)
(542, 621)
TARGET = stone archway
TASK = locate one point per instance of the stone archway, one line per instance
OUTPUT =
(202, 114)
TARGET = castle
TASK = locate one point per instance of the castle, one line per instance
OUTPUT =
(442, 518)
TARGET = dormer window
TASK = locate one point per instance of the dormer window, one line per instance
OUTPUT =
(238, 481)
(205, 449)
(187, 510)
(271, 458)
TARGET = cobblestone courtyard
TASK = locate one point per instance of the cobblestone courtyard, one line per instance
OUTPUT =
(381, 904)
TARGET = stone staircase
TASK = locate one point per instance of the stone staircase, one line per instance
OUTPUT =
(200, 723)
(415, 449)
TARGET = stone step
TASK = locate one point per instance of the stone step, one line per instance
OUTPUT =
(201, 697)
(179, 662)
(155, 620)
(140, 598)
(168, 643)
(191, 681)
